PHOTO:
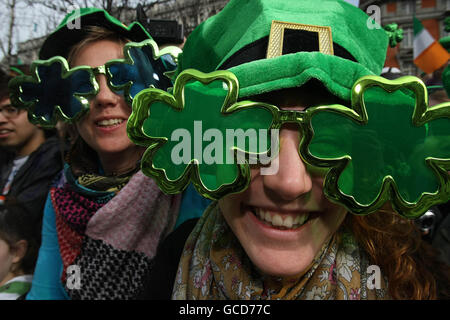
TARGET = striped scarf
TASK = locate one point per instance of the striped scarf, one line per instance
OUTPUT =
(110, 227)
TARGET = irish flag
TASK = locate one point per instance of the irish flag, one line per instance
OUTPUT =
(429, 55)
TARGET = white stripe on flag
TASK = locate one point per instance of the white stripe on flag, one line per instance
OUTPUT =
(421, 42)
(353, 2)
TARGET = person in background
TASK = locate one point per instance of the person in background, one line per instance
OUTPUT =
(19, 244)
(30, 156)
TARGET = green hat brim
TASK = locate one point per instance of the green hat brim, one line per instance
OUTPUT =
(62, 39)
(337, 74)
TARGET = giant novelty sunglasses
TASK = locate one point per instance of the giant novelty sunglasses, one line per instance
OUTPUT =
(386, 145)
(56, 92)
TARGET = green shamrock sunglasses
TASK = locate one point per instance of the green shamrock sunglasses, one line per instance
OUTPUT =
(55, 92)
(388, 145)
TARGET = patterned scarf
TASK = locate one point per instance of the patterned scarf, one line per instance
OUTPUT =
(213, 265)
(110, 228)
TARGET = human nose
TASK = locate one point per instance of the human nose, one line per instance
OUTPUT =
(105, 97)
(291, 180)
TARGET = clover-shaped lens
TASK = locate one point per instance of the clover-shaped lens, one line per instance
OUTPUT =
(389, 146)
(141, 69)
(53, 92)
(198, 134)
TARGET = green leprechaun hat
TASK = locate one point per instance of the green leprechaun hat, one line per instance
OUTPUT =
(271, 45)
(72, 29)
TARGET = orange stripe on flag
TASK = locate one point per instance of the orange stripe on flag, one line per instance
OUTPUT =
(432, 58)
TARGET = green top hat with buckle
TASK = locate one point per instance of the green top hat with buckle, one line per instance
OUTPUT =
(72, 30)
(271, 45)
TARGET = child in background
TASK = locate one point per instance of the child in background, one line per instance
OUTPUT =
(19, 245)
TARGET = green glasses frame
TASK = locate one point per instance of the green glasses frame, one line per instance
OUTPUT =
(48, 94)
(361, 149)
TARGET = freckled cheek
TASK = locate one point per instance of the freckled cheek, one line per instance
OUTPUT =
(81, 126)
(328, 224)
(230, 207)
(85, 130)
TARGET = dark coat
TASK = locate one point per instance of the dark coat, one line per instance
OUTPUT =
(161, 279)
(441, 237)
(32, 182)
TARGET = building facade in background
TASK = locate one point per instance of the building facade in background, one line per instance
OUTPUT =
(430, 12)
(191, 13)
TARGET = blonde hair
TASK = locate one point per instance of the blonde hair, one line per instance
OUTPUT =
(93, 34)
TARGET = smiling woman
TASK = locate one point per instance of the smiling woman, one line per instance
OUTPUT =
(103, 217)
(104, 127)
(283, 236)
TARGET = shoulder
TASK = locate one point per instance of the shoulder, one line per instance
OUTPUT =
(50, 149)
(160, 280)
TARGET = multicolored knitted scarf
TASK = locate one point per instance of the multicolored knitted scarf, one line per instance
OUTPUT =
(110, 228)
(214, 265)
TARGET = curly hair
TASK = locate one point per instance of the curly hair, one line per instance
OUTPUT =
(411, 265)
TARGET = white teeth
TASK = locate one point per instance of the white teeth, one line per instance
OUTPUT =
(288, 222)
(277, 220)
(267, 217)
(109, 122)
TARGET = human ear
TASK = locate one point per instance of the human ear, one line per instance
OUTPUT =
(19, 250)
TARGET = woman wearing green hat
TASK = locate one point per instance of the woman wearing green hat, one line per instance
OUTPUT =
(281, 237)
(103, 218)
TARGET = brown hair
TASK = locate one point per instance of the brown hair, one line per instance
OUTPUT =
(17, 223)
(5, 77)
(411, 265)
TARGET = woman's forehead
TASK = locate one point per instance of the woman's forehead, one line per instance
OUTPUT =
(99, 52)
(312, 93)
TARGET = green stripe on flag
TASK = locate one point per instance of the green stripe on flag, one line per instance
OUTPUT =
(418, 26)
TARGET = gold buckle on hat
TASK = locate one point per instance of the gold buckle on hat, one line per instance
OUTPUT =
(275, 47)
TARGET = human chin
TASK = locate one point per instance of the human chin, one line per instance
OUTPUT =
(277, 250)
(111, 145)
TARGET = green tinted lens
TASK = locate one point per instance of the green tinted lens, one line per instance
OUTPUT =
(389, 147)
